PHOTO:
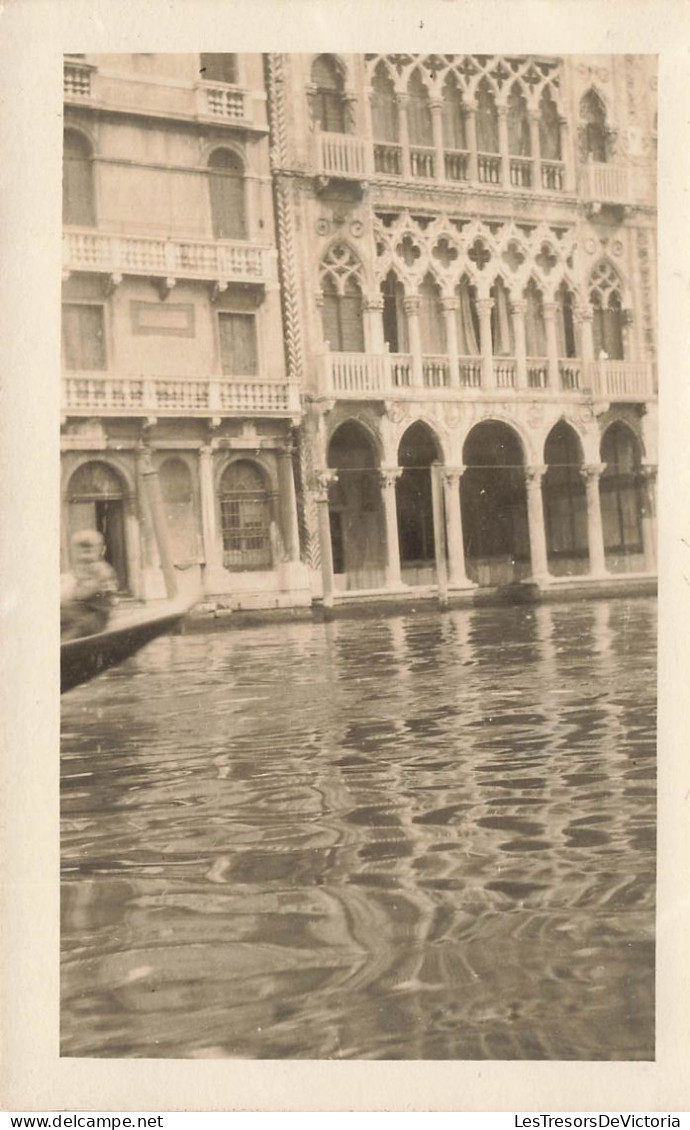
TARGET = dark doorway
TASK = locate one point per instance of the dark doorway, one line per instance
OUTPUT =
(417, 451)
(494, 506)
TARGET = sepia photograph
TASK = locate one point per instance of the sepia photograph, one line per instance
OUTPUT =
(359, 399)
(348, 559)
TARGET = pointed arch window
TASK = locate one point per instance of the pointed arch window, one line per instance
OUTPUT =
(487, 119)
(78, 197)
(453, 115)
(227, 191)
(535, 329)
(549, 128)
(595, 134)
(432, 326)
(343, 324)
(418, 112)
(220, 67)
(245, 517)
(468, 319)
(394, 318)
(621, 496)
(565, 322)
(607, 313)
(385, 120)
(502, 344)
(329, 104)
(518, 124)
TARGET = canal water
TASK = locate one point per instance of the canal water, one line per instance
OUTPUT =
(429, 836)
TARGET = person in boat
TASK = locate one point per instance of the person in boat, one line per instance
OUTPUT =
(87, 593)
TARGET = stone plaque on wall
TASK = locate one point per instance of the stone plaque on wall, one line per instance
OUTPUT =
(158, 318)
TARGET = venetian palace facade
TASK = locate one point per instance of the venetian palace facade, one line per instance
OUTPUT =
(383, 324)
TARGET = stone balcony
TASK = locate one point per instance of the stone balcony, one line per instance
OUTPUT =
(603, 184)
(362, 376)
(106, 394)
(87, 249)
(221, 103)
(342, 156)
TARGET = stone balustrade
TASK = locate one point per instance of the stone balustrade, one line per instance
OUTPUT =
(91, 250)
(342, 155)
(107, 395)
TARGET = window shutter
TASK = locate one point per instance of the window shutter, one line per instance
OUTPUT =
(83, 337)
(226, 185)
(238, 345)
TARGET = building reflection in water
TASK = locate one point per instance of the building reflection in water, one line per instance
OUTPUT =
(428, 836)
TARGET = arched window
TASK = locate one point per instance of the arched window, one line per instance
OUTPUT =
(177, 493)
(563, 489)
(565, 322)
(219, 68)
(518, 124)
(78, 204)
(385, 122)
(487, 119)
(549, 128)
(343, 325)
(418, 112)
(394, 318)
(245, 517)
(595, 134)
(607, 313)
(453, 115)
(501, 322)
(226, 185)
(619, 487)
(329, 96)
(535, 329)
(468, 319)
(432, 326)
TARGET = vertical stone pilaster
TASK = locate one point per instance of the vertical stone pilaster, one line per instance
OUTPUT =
(437, 130)
(213, 554)
(288, 500)
(324, 479)
(550, 310)
(535, 521)
(388, 477)
(402, 100)
(503, 145)
(471, 140)
(411, 306)
(457, 576)
(595, 533)
(450, 309)
(373, 314)
(518, 310)
(649, 528)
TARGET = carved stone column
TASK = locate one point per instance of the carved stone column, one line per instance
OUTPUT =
(484, 308)
(518, 310)
(591, 473)
(288, 499)
(535, 148)
(320, 494)
(213, 553)
(388, 477)
(402, 100)
(584, 321)
(450, 307)
(503, 145)
(649, 530)
(411, 306)
(471, 139)
(550, 310)
(457, 577)
(373, 315)
(535, 521)
(437, 133)
(566, 156)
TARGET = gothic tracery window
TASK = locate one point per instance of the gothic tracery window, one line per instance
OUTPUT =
(329, 104)
(607, 312)
(595, 134)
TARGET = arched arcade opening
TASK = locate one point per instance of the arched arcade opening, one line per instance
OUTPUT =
(355, 510)
(96, 501)
(565, 503)
(494, 506)
(417, 451)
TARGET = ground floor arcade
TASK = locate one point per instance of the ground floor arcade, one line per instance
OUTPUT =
(414, 506)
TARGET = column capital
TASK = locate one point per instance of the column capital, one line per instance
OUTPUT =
(452, 475)
(591, 472)
(549, 310)
(485, 305)
(436, 104)
(324, 478)
(502, 109)
(388, 476)
(411, 303)
(373, 304)
(402, 97)
(534, 474)
(649, 471)
(583, 312)
(519, 306)
(450, 302)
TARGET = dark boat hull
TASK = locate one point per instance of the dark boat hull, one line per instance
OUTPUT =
(83, 659)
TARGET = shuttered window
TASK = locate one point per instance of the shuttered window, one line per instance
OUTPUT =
(219, 68)
(226, 185)
(343, 325)
(239, 354)
(83, 337)
(78, 206)
(329, 102)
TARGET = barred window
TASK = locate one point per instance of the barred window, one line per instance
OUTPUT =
(245, 517)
